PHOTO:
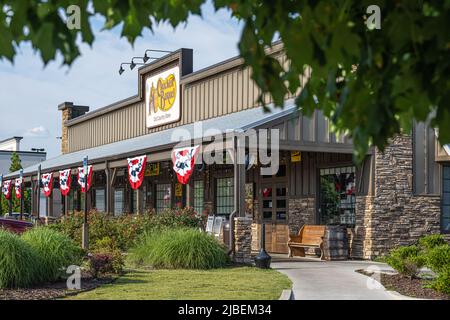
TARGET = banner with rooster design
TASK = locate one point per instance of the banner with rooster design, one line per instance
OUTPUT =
(47, 183)
(183, 162)
(82, 178)
(65, 179)
(136, 171)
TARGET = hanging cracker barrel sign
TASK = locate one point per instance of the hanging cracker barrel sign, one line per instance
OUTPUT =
(162, 98)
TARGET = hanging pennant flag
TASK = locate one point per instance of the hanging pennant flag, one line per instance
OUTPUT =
(65, 179)
(47, 183)
(6, 189)
(82, 178)
(136, 170)
(183, 162)
(18, 187)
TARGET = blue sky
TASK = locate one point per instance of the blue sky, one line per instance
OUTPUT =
(31, 93)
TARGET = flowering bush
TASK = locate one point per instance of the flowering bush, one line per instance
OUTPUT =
(125, 230)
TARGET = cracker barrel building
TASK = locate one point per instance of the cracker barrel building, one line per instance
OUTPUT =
(391, 199)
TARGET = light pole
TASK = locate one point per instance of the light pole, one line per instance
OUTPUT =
(38, 198)
(21, 194)
(85, 234)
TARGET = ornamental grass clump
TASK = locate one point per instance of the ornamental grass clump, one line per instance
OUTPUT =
(19, 263)
(179, 249)
(55, 250)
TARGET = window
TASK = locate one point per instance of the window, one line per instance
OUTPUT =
(445, 217)
(163, 196)
(199, 192)
(274, 203)
(118, 201)
(337, 196)
(224, 196)
(100, 200)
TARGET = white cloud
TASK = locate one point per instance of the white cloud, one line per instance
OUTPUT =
(37, 132)
(31, 93)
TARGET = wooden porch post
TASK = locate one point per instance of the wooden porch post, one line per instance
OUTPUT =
(108, 188)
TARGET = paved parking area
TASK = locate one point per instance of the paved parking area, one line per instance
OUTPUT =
(332, 280)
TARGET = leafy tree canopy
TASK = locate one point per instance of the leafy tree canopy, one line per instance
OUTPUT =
(372, 83)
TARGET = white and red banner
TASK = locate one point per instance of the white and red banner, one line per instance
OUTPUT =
(183, 162)
(47, 183)
(136, 170)
(18, 187)
(6, 189)
(82, 178)
(65, 179)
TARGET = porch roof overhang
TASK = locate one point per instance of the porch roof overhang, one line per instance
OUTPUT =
(234, 123)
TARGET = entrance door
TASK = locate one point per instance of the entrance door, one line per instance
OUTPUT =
(273, 201)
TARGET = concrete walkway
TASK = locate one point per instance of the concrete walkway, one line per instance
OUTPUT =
(332, 280)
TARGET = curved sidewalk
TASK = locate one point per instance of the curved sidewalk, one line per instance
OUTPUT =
(332, 280)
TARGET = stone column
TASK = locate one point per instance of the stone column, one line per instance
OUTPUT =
(243, 239)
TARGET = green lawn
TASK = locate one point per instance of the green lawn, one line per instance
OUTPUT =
(229, 283)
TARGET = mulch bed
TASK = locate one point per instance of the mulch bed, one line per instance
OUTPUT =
(55, 290)
(408, 287)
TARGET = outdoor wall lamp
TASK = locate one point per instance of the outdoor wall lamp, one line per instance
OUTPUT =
(122, 70)
(146, 57)
(134, 64)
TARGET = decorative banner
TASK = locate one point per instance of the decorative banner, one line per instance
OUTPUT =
(162, 99)
(6, 189)
(47, 183)
(82, 178)
(183, 162)
(18, 187)
(136, 170)
(65, 179)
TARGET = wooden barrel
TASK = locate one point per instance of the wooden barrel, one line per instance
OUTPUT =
(335, 243)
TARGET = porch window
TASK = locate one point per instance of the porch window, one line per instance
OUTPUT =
(445, 217)
(119, 201)
(224, 196)
(337, 196)
(100, 199)
(163, 197)
(199, 192)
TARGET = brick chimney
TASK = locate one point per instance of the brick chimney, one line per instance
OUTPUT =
(69, 112)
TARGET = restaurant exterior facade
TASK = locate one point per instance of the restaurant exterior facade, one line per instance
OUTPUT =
(391, 199)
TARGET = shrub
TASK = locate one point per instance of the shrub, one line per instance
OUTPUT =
(431, 241)
(442, 282)
(100, 263)
(55, 251)
(406, 260)
(179, 249)
(438, 258)
(19, 265)
(126, 229)
(106, 249)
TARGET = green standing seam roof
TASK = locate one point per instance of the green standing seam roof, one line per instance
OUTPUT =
(235, 122)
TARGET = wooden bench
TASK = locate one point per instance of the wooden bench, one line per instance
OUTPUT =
(309, 236)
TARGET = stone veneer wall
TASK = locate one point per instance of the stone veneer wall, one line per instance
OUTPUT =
(393, 216)
(301, 211)
(243, 239)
